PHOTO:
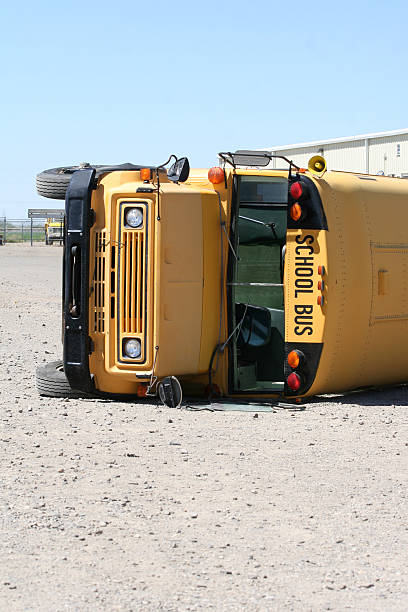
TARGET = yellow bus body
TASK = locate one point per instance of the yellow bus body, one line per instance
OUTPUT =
(363, 323)
(166, 283)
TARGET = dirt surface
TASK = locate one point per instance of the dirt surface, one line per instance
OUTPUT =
(121, 506)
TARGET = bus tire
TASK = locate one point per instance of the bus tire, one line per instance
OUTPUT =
(52, 382)
(53, 183)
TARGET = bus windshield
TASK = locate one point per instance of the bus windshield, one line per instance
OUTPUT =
(256, 284)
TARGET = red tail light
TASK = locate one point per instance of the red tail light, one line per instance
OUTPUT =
(294, 381)
(296, 190)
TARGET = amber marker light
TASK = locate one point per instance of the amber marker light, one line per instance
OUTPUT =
(145, 174)
(320, 285)
(320, 300)
(295, 358)
(294, 381)
(321, 270)
(296, 212)
(216, 175)
(141, 391)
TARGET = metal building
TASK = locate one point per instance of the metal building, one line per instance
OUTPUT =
(381, 153)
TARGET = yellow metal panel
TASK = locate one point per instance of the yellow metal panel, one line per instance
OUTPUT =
(390, 269)
(211, 317)
(179, 282)
(306, 250)
(364, 329)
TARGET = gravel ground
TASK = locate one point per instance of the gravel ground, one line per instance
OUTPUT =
(121, 506)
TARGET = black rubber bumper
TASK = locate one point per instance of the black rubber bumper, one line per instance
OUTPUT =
(78, 220)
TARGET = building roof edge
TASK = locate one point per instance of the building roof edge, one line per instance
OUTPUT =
(335, 140)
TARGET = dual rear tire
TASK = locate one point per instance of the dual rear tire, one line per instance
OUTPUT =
(52, 382)
(53, 183)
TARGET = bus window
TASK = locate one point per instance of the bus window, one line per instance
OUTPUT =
(264, 190)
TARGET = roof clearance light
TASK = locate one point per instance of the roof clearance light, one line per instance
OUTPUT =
(216, 175)
(294, 381)
(296, 190)
(294, 358)
(145, 174)
(296, 211)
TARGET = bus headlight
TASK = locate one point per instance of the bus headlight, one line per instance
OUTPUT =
(132, 348)
(134, 217)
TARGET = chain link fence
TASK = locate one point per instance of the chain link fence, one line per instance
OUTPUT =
(20, 230)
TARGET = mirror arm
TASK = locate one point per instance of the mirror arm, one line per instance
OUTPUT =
(158, 193)
(168, 161)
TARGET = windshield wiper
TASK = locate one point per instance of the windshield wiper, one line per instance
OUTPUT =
(270, 225)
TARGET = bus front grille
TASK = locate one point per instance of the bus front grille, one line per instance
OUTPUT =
(132, 282)
(98, 283)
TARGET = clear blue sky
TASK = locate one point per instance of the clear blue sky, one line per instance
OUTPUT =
(111, 82)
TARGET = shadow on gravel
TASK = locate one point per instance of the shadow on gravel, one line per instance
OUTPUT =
(123, 399)
(194, 404)
(389, 396)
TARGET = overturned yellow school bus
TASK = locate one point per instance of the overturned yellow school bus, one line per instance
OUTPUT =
(241, 280)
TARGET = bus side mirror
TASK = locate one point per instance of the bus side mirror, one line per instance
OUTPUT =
(179, 171)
